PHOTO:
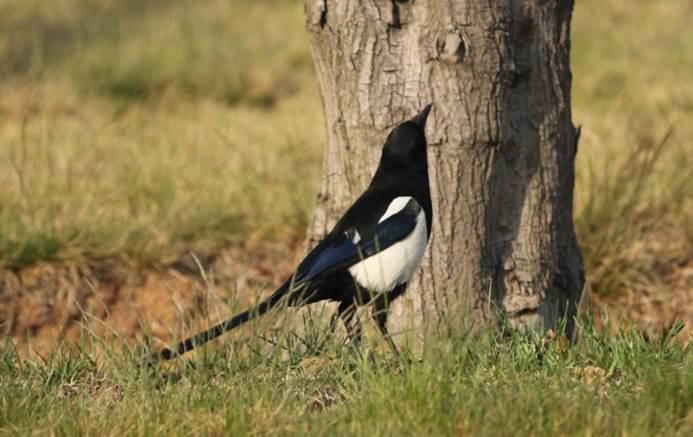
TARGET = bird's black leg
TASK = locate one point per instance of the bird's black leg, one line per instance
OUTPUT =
(381, 308)
(347, 312)
(380, 313)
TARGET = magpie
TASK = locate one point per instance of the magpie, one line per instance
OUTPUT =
(371, 253)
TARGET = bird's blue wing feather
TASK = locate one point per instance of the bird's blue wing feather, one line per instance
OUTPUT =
(330, 253)
(340, 252)
(390, 231)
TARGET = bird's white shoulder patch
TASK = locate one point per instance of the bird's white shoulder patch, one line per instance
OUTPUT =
(397, 204)
(395, 265)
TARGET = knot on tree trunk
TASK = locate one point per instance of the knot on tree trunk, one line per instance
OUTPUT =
(451, 48)
(316, 14)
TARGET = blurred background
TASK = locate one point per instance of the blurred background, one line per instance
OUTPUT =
(135, 131)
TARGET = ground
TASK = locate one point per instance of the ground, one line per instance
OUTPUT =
(158, 164)
(128, 145)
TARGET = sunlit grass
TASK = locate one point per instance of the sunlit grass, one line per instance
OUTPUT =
(152, 180)
(504, 384)
(133, 143)
(633, 192)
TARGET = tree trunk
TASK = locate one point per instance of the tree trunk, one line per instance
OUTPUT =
(501, 147)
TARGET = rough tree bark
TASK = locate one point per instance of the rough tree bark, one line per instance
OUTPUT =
(501, 146)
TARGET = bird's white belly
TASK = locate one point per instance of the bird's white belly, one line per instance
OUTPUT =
(394, 265)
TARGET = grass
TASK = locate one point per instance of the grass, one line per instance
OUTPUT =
(142, 129)
(138, 130)
(148, 184)
(634, 209)
(507, 384)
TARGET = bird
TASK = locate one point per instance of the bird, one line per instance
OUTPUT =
(369, 256)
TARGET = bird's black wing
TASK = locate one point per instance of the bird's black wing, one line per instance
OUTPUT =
(338, 251)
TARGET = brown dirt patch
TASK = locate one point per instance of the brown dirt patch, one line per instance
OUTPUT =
(49, 303)
(657, 292)
(650, 308)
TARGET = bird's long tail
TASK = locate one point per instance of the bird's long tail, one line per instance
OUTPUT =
(217, 330)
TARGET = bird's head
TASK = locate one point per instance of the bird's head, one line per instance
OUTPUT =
(405, 147)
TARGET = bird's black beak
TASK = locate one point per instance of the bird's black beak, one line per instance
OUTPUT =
(422, 116)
